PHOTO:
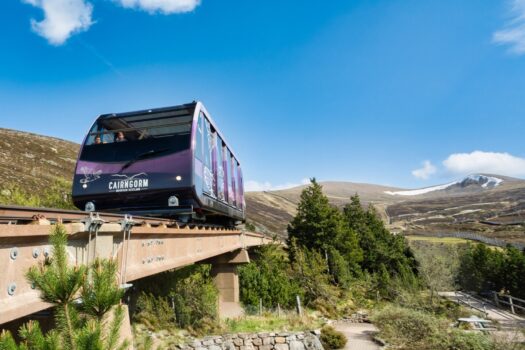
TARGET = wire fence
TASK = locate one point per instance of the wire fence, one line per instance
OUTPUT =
(277, 310)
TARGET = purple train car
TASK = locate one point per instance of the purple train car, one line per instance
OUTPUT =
(166, 162)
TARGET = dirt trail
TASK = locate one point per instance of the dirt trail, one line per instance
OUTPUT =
(359, 335)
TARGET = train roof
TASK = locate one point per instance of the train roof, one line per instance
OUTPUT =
(190, 106)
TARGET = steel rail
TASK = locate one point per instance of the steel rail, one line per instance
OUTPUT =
(12, 214)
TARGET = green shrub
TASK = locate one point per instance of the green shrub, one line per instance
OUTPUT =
(402, 326)
(268, 277)
(418, 330)
(57, 195)
(309, 270)
(187, 293)
(154, 312)
(332, 339)
(195, 297)
(461, 340)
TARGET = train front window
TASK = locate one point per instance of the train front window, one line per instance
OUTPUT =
(118, 139)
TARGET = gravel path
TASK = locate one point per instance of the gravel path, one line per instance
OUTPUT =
(359, 335)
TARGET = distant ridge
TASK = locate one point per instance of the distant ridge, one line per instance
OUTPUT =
(479, 203)
(480, 181)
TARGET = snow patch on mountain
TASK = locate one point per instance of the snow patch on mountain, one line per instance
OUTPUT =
(421, 190)
(483, 180)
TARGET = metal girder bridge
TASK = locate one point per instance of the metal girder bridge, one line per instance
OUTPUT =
(142, 246)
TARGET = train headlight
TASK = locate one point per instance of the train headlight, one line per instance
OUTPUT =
(178, 177)
(173, 201)
(90, 206)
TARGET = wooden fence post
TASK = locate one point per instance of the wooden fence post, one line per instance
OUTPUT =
(511, 305)
(299, 308)
(496, 299)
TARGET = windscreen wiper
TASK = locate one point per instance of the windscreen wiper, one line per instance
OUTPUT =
(144, 155)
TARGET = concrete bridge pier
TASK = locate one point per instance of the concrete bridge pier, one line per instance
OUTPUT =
(226, 277)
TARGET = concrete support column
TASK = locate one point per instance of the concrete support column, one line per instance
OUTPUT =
(227, 281)
(226, 277)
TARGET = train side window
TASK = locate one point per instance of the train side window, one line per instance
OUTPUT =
(228, 165)
(198, 138)
(207, 149)
(98, 132)
(240, 187)
(220, 168)
(234, 182)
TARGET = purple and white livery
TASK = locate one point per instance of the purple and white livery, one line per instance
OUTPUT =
(170, 162)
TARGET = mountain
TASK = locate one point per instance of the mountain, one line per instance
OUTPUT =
(471, 183)
(34, 162)
(491, 205)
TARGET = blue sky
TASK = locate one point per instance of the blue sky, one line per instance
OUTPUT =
(405, 93)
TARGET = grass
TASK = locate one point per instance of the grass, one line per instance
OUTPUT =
(445, 240)
(145, 339)
(267, 323)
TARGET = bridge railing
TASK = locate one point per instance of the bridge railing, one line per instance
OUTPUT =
(468, 300)
(512, 302)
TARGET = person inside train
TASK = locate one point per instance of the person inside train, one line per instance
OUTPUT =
(120, 137)
(98, 140)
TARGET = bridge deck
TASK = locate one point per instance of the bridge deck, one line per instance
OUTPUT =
(151, 247)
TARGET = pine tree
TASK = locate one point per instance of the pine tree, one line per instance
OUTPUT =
(268, 277)
(320, 227)
(381, 249)
(86, 323)
(314, 226)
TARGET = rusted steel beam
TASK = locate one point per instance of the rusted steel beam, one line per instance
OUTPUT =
(150, 249)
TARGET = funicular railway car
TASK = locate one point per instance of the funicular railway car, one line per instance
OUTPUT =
(166, 162)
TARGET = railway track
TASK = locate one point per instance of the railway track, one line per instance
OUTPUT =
(18, 215)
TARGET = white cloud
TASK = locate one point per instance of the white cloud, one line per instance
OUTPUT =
(252, 186)
(485, 162)
(425, 172)
(514, 32)
(62, 18)
(162, 6)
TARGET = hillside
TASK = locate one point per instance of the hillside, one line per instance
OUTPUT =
(33, 162)
(272, 210)
(490, 205)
